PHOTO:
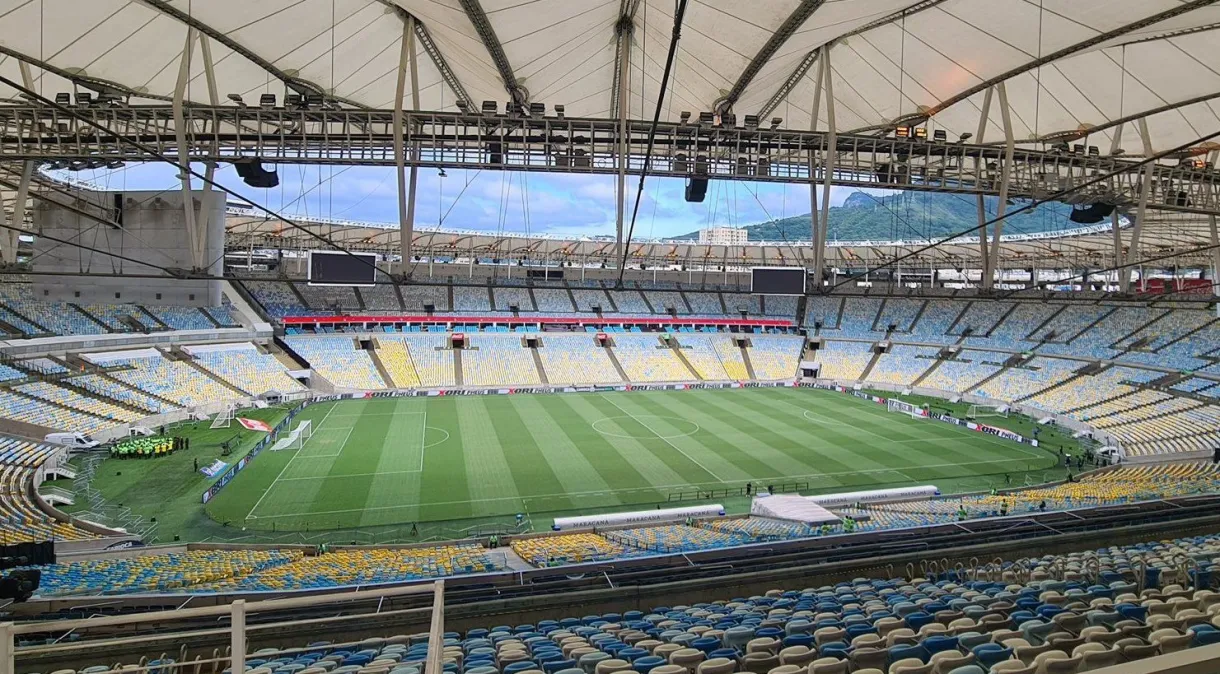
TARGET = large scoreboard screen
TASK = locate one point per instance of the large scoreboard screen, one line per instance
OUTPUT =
(778, 280)
(332, 268)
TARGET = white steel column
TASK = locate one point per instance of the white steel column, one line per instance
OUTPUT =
(1211, 221)
(209, 171)
(1117, 235)
(981, 201)
(184, 158)
(1133, 249)
(12, 237)
(814, 211)
(406, 186)
(623, 94)
(993, 255)
(237, 636)
(832, 139)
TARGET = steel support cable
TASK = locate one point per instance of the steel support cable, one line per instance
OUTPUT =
(185, 166)
(1033, 203)
(652, 134)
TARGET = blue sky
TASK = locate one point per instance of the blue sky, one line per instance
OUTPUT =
(551, 203)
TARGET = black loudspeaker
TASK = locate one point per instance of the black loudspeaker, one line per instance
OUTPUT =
(252, 171)
(118, 209)
(496, 152)
(1091, 215)
(696, 190)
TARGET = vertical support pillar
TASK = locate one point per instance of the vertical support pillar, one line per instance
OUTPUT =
(814, 211)
(1117, 235)
(12, 238)
(981, 201)
(624, 89)
(1133, 249)
(406, 186)
(436, 631)
(993, 255)
(209, 171)
(1211, 221)
(832, 140)
(237, 636)
(184, 154)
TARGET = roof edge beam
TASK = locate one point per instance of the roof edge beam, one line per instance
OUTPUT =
(433, 52)
(795, 20)
(293, 82)
(482, 26)
(1056, 55)
(794, 78)
(93, 84)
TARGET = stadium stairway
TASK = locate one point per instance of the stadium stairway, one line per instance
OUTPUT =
(1008, 365)
(869, 368)
(618, 367)
(928, 372)
(745, 357)
(1050, 317)
(1090, 326)
(538, 362)
(676, 347)
(99, 322)
(1079, 374)
(457, 364)
(381, 369)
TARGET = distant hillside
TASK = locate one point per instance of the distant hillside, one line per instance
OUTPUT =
(864, 217)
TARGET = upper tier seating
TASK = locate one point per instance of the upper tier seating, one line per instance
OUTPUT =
(967, 370)
(898, 312)
(416, 297)
(277, 298)
(706, 304)
(506, 298)
(71, 399)
(735, 303)
(381, 297)
(1036, 375)
(775, 357)
(181, 318)
(553, 301)
(327, 298)
(247, 369)
(933, 325)
(644, 359)
(471, 299)
(628, 302)
(587, 299)
(41, 413)
(663, 301)
(498, 360)
(903, 364)
(780, 306)
(339, 359)
(824, 310)
(109, 388)
(57, 317)
(576, 359)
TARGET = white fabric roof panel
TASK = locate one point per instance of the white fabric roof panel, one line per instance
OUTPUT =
(562, 51)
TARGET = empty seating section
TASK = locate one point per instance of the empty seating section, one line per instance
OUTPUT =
(471, 298)
(629, 302)
(329, 298)
(844, 360)
(758, 528)
(176, 381)
(498, 360)
(587, 299)
(277, 298)
(506, 298)
(553, 301)
(1097, 342)
(41, 413)
(709, 360)
(1038, 374)
(900, 313)
(644, 359)
(1069, 322)
(76, 401)
(934, 323)
(1194, 429)
(903, 364)
(113, 315)
(1185, 353)
(777, 305)
(223, 315)
(432, 360)
(738, 302)
(109, 388)
(19, 325)
(775, 357)
(1086, 391)
(663, 301)
(20, 518)
(568, 549)
(576, 359)
(675, 538)
(247, 369)
(963, 373)
(823, 310)
(859, 313)
(57, 317)
(1012, 331)
(705, 304)
(396, 360)
(361, 567)
(380, 297)
(158, 573)
(415, 298)
(339, 360)
(1174, 325)
(1195, 385)
(43, 366)
(180, 318)
(9, 373)
(980, 318)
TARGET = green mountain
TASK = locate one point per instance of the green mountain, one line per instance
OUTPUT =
(908, 215)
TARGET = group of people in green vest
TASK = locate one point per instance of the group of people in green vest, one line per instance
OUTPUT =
(144, 448)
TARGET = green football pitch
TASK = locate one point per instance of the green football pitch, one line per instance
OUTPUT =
(386, 461)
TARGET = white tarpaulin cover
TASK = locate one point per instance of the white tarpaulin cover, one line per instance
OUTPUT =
(791, 507)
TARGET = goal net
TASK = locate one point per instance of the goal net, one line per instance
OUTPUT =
(903, 407)
(296, 438)
(980, 411)
(225, 418)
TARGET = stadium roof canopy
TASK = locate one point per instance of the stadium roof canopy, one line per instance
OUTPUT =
(1066, 63)
(1067, 66)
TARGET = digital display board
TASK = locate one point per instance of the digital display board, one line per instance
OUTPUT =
(333, 268)
(778, 280)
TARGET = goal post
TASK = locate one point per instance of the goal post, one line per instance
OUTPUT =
(979, 411)
(224, 419)
(296, 438)
(904, 407)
